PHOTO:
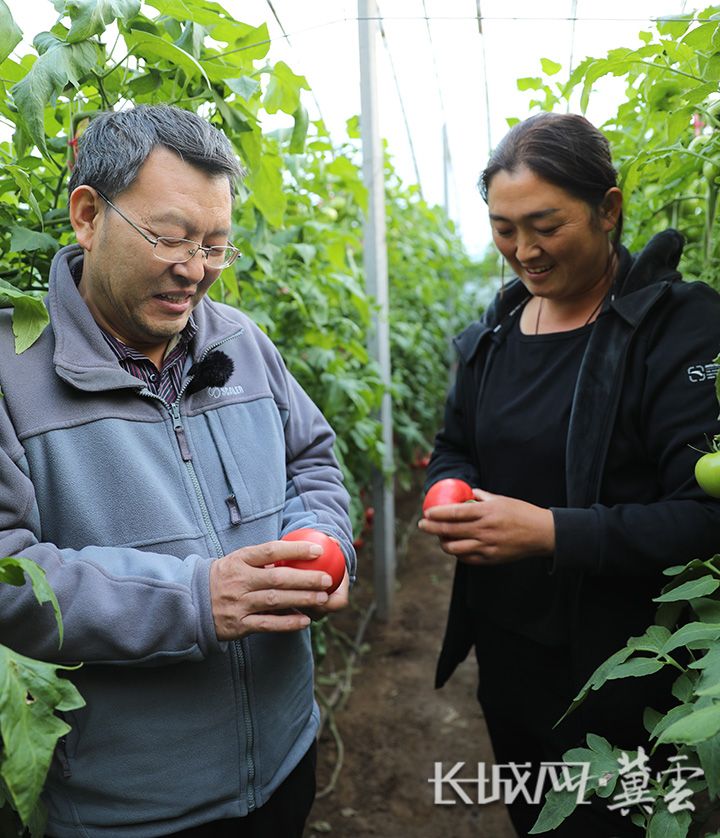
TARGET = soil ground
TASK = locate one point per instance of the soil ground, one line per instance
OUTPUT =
(394, 725)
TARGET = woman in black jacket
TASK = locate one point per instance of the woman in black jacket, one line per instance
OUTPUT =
(580, 400)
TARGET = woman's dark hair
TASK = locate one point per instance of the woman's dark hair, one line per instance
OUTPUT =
(563, 149)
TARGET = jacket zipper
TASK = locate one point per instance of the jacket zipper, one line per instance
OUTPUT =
(239, 652)
(249, 733)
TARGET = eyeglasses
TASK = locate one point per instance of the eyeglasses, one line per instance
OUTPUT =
(177, 251)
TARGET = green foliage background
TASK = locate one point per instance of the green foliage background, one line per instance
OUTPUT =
(298, 219)
(298, 222)
(665, 136)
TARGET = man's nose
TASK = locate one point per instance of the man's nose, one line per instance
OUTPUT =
(194, 269)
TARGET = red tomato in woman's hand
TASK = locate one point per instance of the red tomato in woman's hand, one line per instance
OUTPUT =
(447, 491)
(707, 473)
(331, 560)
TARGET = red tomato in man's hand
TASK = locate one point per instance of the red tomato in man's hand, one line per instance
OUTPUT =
(331, 559)
(447, 491)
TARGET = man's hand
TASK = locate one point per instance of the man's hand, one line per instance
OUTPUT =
(495, 530)
(337, 600)
(247, 596)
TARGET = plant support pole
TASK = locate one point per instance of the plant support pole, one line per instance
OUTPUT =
(376, 278)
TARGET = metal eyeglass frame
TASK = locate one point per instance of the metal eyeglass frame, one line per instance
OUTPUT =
(160, 239)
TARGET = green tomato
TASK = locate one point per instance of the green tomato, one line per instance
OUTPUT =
(710, 171)
(707, 473)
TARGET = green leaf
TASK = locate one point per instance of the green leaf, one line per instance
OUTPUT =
(636, 668)
(10, 32)
(59, 66)
(602, 674)
(711, 68)
(709, 755)
(30, 317)
(558, 806)
(146, 83)
(306, 251)
(91, 17)
(266, 186)
(22, 181)
(152, 47)
(283, 90)
(707, 609)
(300, 129)
(603, 771)
(25, 240)
(244, 86)
(529, 83)
(30, 693)
(665, 824)
(700, 38)
(13, 571)
(683, 687)
(709, 664)
(206, 13)
(550, 68)
(695, 727)
(675, 26)
(693, 633)
(653, 640)
(690, 590)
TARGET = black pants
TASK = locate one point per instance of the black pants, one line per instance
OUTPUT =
(283, 816)
(524, 688)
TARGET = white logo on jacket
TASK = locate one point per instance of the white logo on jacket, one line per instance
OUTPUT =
(218, 392)
(703, 372)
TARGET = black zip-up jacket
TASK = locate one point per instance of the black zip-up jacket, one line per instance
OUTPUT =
(645, 394)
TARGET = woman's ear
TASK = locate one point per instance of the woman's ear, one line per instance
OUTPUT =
(610, 209)
(84, 209)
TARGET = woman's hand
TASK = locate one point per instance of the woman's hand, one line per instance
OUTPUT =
(494, 530)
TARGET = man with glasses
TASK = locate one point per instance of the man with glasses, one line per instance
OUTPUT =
(153, 451)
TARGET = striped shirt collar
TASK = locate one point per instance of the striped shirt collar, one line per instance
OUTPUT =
(167, 381)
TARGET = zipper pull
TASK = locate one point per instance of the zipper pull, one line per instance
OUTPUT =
(232, 505)
(61, 753)
(180, 434)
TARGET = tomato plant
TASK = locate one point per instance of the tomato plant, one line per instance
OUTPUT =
(30, 693)
(331, 560)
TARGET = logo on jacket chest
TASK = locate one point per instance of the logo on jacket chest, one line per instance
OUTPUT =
(219, 392)
(703, 372)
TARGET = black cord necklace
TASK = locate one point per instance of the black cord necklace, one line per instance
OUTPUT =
(590, 317)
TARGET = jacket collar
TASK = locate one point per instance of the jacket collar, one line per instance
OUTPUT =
(82, 356)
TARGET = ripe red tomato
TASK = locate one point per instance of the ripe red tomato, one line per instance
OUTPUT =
(331, 560)
(447, 491)
(707, 473)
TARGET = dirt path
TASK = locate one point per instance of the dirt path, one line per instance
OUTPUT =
(395, 725)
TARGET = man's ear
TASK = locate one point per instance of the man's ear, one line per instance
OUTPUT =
(84, 209)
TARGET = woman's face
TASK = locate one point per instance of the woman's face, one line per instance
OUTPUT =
(556, 243)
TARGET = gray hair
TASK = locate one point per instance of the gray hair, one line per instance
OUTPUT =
(116, 144)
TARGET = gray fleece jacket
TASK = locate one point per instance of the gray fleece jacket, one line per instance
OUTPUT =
(125, 501)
